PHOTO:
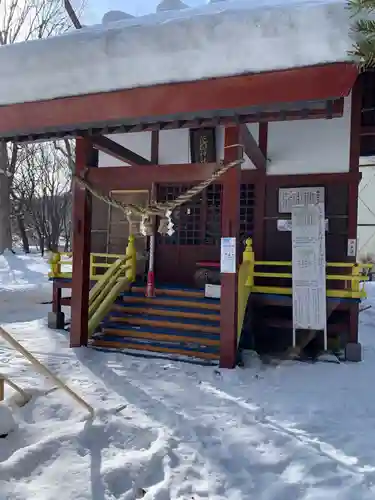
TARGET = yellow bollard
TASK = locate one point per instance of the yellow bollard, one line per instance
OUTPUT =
(356, 272)
(245, 283)
(55, 262)
(249, 258)
(92, 267)
(131, 253)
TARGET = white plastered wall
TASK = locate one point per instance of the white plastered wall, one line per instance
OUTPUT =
(173, 147)
(139, 142)
(310, 146)
(366, 213)
(296, 147)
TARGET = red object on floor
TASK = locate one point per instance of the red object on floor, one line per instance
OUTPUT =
(150, 289)
(208, 264)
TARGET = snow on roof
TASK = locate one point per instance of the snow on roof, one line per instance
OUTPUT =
(220, 39)
(171, 5)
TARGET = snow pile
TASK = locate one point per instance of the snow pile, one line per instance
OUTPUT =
(20, 272)
(294, 431)
(218, 39)
(24, 286)
(114, 16)
(171, 5)
(7, 423)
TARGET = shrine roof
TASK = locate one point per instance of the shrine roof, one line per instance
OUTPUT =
(221, 39)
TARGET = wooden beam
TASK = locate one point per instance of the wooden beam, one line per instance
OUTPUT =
(86, 156)
(113, 178)
(335, 111)
(56, 298)
(230, 220)
(354, 155)
(71, 13)
(367, 130)
(112, 148)
(314, 83)
(313, 179)
(263, 138)
(141, 177)
(155, 140)
(260, 196)
(252, 149)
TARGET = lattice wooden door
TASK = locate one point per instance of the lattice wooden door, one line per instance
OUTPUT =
(197, 236)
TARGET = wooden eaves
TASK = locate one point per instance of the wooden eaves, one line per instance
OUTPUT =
(229, 100)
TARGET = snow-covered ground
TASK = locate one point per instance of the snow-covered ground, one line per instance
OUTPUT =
(296, 431)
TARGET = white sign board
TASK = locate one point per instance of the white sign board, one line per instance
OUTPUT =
(309, 265)
(308, 269)
(286, 225)
(228, 255)
(212, 291)
(352, 248)
(299, 197)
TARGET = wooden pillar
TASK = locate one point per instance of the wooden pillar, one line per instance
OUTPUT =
(86, 157)
(230, 223)
(155, 139)
(355, 150)
(260, 196)
(56, 298)
(354, 154)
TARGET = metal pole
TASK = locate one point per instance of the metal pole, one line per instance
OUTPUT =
(150, 289)
(44, 370)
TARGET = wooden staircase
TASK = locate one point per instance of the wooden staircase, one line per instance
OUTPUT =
(178, 322)
(271, 325)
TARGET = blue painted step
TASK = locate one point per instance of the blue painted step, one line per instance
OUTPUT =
(169, 319)
(157, 307)
(160, 330)
(165, 332)
(189, 347)
(193, 360)
(204, 300)
(176, 288)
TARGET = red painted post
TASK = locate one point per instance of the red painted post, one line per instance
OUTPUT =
(260, 196)
(355, 151)
(230, 222)
(56, 298)
(86, 156)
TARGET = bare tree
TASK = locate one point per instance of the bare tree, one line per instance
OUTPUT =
(42, 198)
(67, 150)
(22, 20)
(22, 190)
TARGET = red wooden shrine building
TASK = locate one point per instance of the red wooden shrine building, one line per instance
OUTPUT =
(299, 127)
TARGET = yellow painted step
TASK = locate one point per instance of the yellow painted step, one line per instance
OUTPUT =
(165, 324)
(166, 312)
(170, 303)
(160, 337)
(172, 292)
(145, 347)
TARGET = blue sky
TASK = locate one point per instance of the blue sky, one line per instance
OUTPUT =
(96, 8)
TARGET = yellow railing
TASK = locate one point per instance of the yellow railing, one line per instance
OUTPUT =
(62, 263)
(116, 279)
(354, 287)
(120, 272)
(245, 273)
(104, 285)
(109, 288)
(354, 278)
